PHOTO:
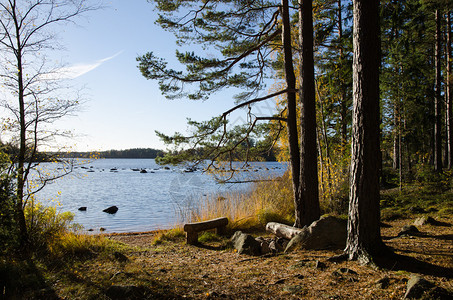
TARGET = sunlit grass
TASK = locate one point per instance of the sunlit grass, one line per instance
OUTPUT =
(172, 235)
(71, 244)
(269, 200)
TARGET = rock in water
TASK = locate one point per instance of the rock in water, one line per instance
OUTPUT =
(83, 208)
(111, 210)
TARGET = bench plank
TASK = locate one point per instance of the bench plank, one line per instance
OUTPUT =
(192, 229)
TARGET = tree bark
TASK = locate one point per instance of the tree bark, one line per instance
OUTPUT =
(343, 104)
(20, 216)
(308, 210)
(449, 95)
(438, 100)
(364, 236)
(290, 77)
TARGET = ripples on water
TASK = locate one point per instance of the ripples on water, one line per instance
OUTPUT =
(146, 201)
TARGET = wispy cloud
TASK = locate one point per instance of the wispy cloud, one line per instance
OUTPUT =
(77, 70)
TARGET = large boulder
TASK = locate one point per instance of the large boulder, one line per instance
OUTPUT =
(246, 244)
(423, 221)
(326, 233)
(111, 210)
(420, 288)
(429, 220)
(409, 230)
(416, 287)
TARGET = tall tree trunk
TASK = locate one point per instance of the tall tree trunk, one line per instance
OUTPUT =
(449, 95)
(290, 77)
(395, 136)
(309, 210)
(364, 235)
(438, 100)
(21, 178)
(343, 104)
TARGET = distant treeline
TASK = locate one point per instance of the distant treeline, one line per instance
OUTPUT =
(128, 153)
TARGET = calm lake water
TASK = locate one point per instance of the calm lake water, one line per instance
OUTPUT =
(146, 201)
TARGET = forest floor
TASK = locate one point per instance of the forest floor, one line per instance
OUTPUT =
(211, 270)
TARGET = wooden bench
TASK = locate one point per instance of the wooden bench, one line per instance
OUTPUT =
(192, 229)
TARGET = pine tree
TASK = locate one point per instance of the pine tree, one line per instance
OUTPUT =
(246, 34)
(364, 237)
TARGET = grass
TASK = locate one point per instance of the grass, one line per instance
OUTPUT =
(414, 200)
(164, 236)
(268, 201)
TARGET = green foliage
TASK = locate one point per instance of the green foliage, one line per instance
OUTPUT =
(241, 37)
(72, 245)
(416, 198)
(128, 153)
(208, 236)
(334, 182)
(266, 215)
(9, 230)
(174, 234)
(431, 181)
(45, 225)
(212, 141)
(235, 31)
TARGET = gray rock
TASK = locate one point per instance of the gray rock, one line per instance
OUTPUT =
(273, 246)
(424, 220)
(326, 233)
(278, 245)
(416, 286)
(293, 289)
(264, 247)
(410, 230)
(245, 244)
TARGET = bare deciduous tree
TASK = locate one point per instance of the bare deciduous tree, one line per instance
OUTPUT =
(31, 89)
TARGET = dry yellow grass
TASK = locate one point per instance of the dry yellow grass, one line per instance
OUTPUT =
(266, 201)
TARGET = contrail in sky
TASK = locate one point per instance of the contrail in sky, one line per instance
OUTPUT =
(77, 70)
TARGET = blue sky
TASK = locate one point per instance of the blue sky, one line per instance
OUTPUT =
(123, 109)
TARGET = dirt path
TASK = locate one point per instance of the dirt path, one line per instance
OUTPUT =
(178, 270)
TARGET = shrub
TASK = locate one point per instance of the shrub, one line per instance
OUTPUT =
(45, 224)
(9, 230)
(71, 244)
(266, 215)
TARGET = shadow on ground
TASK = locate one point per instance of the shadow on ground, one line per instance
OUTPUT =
(23, 280)
(410, 264)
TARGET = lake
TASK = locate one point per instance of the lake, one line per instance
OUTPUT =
(146, 201)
